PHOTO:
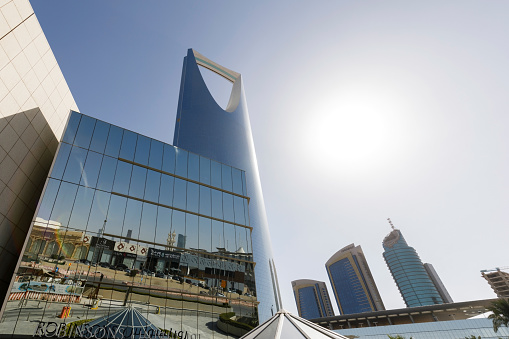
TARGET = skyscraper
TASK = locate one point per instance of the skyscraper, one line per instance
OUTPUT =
(414, 283)
(353, 285)
(312, 299)
(203, 127)
(34, 105)
(439, 285)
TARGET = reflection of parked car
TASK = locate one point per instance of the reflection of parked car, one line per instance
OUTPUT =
(203, 292)
(160, 275)
(121, 267)
(219, 294)
(104, 264)
(175, 278)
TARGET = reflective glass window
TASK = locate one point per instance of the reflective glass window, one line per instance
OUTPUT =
(91, 169)
(115, 216)
(169, 159)
(228, 214)
(237, 180)
(128, 145)
(217, 235)
(61, 161)
(99, 211)
(81, 208)
(205, 170)
(179, 200)
(132, 218)
(230, 237)
(227, 177)
(138, 178)
(193, 197)
(152, 186)
(181, 162)
(166, 190)
(238, 204)
(122, 178)
(217, 204)
(48, 199)
(72, 127)
(193, 171)
(164, 226)
(205, 234)
(107, 174)
(246, 211)
(142, 150)
(178, 225)
(156, 154)
(100, 136)
(205, 202)
(191, 231)
(215, 174)
(63, 203)
(85, 131)
(114, 141)
(148, 222)
(244, 189)
(75, 165)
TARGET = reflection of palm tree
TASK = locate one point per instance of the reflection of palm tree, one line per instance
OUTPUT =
(500, 316)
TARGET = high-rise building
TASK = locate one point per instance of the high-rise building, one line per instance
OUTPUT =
(312, 299)
(414, 283)
(498, 280)
(439, 285)
(92, 211)
(203, 127)
(34, 105)
(352, 282)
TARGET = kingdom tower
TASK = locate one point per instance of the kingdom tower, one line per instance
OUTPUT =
(224, 135)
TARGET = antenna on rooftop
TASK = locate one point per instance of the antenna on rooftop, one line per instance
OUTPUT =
(390, 222)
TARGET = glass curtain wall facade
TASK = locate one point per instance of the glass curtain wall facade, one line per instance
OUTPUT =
(312, 299)
(414, 283)
(126, 221)
(224, 135)
(353, 284)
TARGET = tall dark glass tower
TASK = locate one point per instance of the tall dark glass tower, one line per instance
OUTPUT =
(203, 127)
(414, 283)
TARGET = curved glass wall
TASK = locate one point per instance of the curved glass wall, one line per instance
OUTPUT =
(408, 272)
(126, 221)
(203, 127)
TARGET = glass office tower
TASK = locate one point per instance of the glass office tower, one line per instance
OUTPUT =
(128, 222)
(414, 283)
(203, 127)
(312, 299)
(353, 284)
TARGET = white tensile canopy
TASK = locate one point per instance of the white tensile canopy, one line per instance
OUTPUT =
(284, 325)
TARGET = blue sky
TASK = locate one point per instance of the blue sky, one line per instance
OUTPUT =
(360, 111)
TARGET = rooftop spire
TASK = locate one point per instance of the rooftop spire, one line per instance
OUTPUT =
(390, 222)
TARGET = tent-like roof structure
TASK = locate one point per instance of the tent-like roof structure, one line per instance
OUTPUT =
(284, 325)
(126, 323)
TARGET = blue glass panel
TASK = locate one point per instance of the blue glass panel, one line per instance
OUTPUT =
(115, 216)
(193, 197)
(228, 213)
(237, 181)
(205, 235)
(100, 136)
(48, 199)
(191, 231)
(193, 171)
(91, 169)
(148, 222)
(156, 154)
(114, 141)
(99, 211)
(215, 174)
(85, 130)
(226, 177)
(61, 161)
(238, 204)
(205, 201)
(163, 225)
(132, 218)
(230, 237)
(75, 165)
(178, 225)
(244, 189)
(107, 174)
(205, 170)
(179, 198)
(152, 186)
(217, 235)
(122, 178)
(169, 159)
(138, 178)
(181, 162)
(128, 145)
(72, 127)
(166, 190)
(217, 204)
(63, 203)
(81, 208)
(142, 150)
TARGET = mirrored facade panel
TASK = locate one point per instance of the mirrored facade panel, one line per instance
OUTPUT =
(117, 228)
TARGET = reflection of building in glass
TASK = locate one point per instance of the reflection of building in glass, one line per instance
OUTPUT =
(181, 241)
(498, 280)
(225, 136)
(353, 285)
(312, 299)
(414, 283)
